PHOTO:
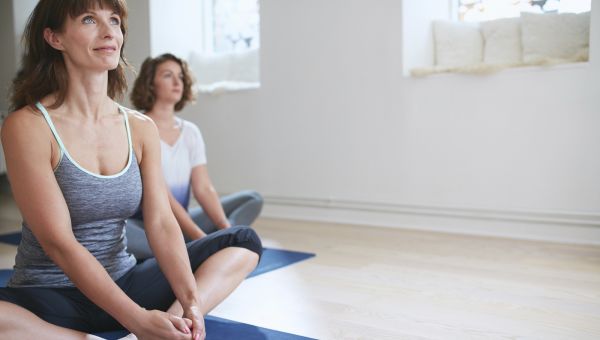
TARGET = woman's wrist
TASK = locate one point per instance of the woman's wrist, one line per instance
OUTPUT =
(135, 319)
(223, 224)
(193, 303)
(197, 233)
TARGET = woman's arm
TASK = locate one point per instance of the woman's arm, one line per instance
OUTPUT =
(162, 230)
(207, 196)
(28, 150)
(187, 225)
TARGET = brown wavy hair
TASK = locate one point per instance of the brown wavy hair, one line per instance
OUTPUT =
(143, 96)
(43, 69)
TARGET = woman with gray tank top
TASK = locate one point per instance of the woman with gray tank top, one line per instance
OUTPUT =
(80, 165)
(163, 87)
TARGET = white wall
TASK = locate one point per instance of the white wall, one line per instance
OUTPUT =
(337, 133)
(138, 44)
(7, 53)
(13, 16)
(21, 11)
(7, 60)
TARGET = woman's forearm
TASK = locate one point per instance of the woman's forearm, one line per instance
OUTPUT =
(169, 249)
(90, 277)
(187, 225)
(211, 204)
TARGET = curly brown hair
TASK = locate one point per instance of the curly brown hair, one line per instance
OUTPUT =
(43, 70)
(143, 96)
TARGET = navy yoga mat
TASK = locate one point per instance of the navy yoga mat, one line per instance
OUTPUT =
(216, 328)
(272, 259)
(4, 276)
(12, 238)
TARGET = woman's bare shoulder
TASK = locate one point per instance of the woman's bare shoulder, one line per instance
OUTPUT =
(25, 122)
(139, 121)
(143, 132)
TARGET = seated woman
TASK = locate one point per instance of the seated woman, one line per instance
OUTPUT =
(79, 165)
(164, 86)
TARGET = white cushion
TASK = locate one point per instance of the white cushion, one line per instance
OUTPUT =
(554, 36)
(457, 44)
(502, 41)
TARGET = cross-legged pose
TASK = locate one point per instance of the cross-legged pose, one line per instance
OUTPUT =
(164, 86)
(79, 165)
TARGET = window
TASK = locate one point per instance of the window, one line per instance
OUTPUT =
(235, 25)
(485, 36)
(230, 46)
(483, 10)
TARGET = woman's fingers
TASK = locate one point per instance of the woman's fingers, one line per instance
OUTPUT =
(180, 324)
(161, 325)
(198, 331)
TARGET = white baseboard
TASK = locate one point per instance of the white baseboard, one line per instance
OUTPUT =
(565, 227)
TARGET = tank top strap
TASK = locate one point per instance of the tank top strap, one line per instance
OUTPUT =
(126, 118)
(52, 127)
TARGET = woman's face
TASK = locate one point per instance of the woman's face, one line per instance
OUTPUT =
(92, 40)
(168, 82)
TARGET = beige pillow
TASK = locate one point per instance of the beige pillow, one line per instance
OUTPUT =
(554, 36)
(502, 41)
(457, 44)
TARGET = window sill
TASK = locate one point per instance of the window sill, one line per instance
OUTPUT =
(503, 70)
(225, 87)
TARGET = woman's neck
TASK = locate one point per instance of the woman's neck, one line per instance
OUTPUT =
(87, 95)
(163, 114)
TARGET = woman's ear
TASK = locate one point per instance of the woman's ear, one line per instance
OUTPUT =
(52, 39)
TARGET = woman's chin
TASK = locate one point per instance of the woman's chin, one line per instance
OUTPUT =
(169, 99)
(108, 64)
(113, 66)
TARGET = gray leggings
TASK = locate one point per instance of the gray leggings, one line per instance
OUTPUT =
(241, 208)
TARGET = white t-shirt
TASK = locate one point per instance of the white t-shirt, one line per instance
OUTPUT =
(179, 160)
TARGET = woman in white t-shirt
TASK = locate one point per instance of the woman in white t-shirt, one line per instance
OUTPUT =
(164, 86)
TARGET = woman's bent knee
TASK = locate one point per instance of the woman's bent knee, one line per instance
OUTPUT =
(247, 237)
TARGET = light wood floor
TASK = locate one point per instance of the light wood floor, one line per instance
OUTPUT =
(375, 283)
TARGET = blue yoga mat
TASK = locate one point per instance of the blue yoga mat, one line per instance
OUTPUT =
(216, 328)
(272, 259)
(4, 276)
(12, 238)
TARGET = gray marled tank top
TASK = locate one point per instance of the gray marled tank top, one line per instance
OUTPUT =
(98, 206)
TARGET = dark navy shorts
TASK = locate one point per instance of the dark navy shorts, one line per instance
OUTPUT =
(145, 284)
